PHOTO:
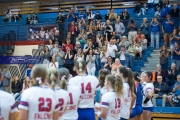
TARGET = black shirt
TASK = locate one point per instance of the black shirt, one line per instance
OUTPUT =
(60, 19)
(175, 13)
(16, 87)
(28, 20)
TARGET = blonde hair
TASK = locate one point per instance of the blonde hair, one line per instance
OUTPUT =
(63, 75)
(52, 77)
(80, 64)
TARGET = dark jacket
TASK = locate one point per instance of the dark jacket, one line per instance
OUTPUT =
(173, 76)
(163, 74)
(163, 89)
(16, 88)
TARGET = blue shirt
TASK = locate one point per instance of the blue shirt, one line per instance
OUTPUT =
(175, 56)
(177, 90)
(80, 16)
(164, 11)
(155, 28)
(168, 28)
(28, 73)
(70, 19)
(139, 96)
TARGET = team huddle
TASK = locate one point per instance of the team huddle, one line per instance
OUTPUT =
(56, 95)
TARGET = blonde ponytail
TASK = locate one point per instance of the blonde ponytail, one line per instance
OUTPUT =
(53, 77)
(63, 82)
(118, 86)
(64, 76)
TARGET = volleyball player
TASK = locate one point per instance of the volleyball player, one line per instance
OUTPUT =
(74, 95)
(148, 91)
(61, 94)
(128, 98)
(111, 101)
(88, 85)
(7, 105)
(39, 101)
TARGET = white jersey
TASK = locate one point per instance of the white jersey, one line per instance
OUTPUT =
(62, 98)
(147, 87)
(111, 101)
(74, 97)
(126, 101)
(7, 105)
(103, 90)
(88, 85)
(40, 102)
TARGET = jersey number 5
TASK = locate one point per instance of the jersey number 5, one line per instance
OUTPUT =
(43, 102)
(88, 87)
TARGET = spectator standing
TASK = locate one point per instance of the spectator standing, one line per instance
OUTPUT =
(28, 19)
(69, 60)
(82, 38)
(174, 38)
(176, 55)
(172, 75)
(143, 10)
(67, 46)
(88, 47)
(167, 28)
(119, 28)
(46, 55)
(8, 16)
(115, 66)
(57, 37)
(91, 16)
(90, 59)
(132, 27)
(115, 37)
(28, 71)
(124, 42)
(71, 16)
(175, 14)
(160, 72)
(107, 15)
(123, 56)
(16, 87)
(175, 92)
(131, 51)
(104, 56)
(109, 63)
(34, 19)
(163, 56)
(108, 30)
(79, 54)
(145, 27)
(155, 32)
(125, 14)
(137, 8)
(157, 14)
(139, 36)
(6, 79)
(98, 16)
(161, 88)
(60, 18)
(81, 15)
(156, 4)
(54, 63)
(144, 43)
(112, 49)
(138, 52)
(150, 4)
(73, 31)
(112, 15)
(164, 11)
(98, 27)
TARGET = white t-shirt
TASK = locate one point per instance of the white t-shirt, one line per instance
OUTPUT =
(111, 101)
(122, 56)
(103, 90)
(74, 97)
(88, 85)
(111, 50)
(62, 98)
(139, 48)
(126, 101)
(146, 88)
(51, 65)
(7, 105)
(40, 102)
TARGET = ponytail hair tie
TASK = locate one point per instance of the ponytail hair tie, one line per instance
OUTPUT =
(39, 80)
(63, 77)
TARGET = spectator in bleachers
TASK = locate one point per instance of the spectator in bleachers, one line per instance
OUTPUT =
(28, 71)
(60, 18)
(175, 11)
(112, 15)
(90, 24)
(79, 54)
(155, 32)
(132, 27)
(145, 27)
(98, 16)
(161, 88)
(46, 55)
(160, 72)
(174, 95)
(156, 4)
(88, 47)
(108, 64)
(42, 33)
(57, 37)
(108, 30)
(176, 55)
(120, 15)
(116, 37)
(123, 56)
(104, 56)
(107, 15)
(164, 10)
(91, 16)
(115, 66)
(16, 86)
(67, 46)
(139, 36)
(54, 63)
(158, 13)
(28, 19)
(6, 79)
(174, 38)
(112, 49)
(167, 28)
(144, 43)
(99, 38)
(50, 45)
(125, 14)
(163, 56)
(74, 8)
(73, 31)
(76, 47)
(131, 51)
(124, 42)
(17, 16)
(71, 16)
(81, 15)
(137, 8)
(82, 38)
(90, 34)
(69, 55)
(98, 27)
(167, 3)
(34, 19)
(8, 16)
(138, 51)
(150, 4)
(143, 10)
(172, 75)
(64, 14)
(119, 28)
(90, 60)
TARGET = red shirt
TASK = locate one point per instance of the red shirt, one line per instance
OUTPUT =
(66, 46)
(73, 30)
